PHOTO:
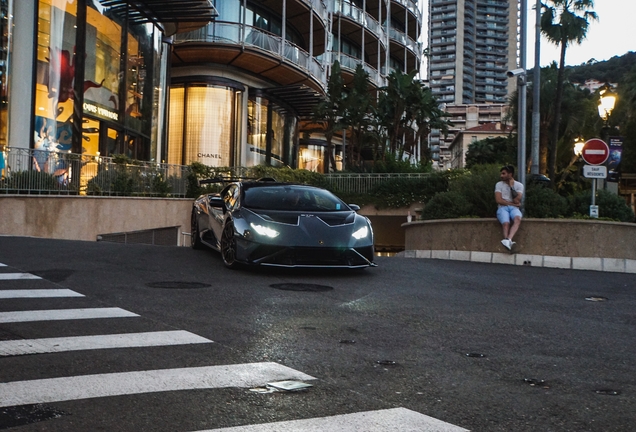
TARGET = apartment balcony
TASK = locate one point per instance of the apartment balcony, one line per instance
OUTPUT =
(348, 65)
(492, 2)
(412, 56)
(250, 49)
(364, 20)
(436, 66)
(406, 15)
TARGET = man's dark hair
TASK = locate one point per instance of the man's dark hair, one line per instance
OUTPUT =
(508, 168)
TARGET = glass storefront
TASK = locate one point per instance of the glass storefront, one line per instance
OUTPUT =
(206, 123)
(311, 157)
(271, 134)
(203, 124)
(121, 72)
(5, 33)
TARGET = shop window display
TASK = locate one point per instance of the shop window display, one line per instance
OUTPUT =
(118, 92)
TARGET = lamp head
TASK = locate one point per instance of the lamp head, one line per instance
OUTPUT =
(578, 146)
(607, 100)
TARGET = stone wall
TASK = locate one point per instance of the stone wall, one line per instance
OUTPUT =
(84, 218)
(548, 237)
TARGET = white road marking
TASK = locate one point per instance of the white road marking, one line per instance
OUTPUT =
(127, 383)
(64, 314)
(18, 276)
(389, 420)
(38, 293)
(2, 265)
(77, 343)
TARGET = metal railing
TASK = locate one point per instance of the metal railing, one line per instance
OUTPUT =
(365, 182)
(28, 171)
(244, 35)
(57, 173)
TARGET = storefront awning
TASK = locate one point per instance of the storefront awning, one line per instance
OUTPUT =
(301, 98)
(174, 16)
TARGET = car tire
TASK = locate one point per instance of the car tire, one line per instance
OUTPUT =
(195, 236)
(228, 246)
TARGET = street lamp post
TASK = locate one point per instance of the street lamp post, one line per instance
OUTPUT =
(607, 100)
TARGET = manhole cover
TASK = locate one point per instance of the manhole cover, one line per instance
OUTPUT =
(301, 287)
(177, 285)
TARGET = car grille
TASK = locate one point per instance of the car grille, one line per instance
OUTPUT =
(311, 256)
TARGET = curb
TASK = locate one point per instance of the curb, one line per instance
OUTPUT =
(614, 265)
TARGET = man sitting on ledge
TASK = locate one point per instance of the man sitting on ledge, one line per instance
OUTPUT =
(508, 194)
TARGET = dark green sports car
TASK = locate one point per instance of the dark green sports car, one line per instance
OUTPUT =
(265, 222)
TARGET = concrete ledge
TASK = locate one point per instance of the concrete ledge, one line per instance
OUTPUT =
(561, 239)
(86, 217)
(578, 263)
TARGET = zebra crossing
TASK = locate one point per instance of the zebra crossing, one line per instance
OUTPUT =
(70, 388)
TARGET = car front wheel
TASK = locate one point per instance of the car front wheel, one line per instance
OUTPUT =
(228, 246)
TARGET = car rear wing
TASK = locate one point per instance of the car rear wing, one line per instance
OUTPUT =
(225, 180)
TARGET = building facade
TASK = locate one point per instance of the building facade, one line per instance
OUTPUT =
(464, 138)
(88, 76)
(223, 82)
(262, 66)
(472, 44)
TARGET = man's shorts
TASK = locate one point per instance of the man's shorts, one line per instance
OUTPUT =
(505, 214)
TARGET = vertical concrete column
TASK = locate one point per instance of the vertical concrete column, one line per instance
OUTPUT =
(386, 71)
(284, 29)
(311, 35)
(364, 24)
(22, 74)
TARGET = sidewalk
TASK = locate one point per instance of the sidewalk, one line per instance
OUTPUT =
(616, 265)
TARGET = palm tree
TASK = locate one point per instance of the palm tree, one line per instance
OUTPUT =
(328, 113)
(358, 113)
(564, 22)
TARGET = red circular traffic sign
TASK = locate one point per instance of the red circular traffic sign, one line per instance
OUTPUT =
(595, 151)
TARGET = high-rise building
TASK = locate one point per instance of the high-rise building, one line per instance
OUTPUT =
(472, 44)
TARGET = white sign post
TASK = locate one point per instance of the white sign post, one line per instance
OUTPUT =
(594, 171)
(595, 153)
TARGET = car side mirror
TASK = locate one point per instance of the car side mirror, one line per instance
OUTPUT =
(216, 202)
(354, 207)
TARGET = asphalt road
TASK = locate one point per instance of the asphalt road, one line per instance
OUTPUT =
(543, 358)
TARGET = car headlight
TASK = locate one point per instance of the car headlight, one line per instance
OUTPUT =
(263, 230)
(361, 233)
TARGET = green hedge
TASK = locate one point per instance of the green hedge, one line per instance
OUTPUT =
(447, 194)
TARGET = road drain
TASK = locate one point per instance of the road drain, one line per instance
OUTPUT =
(596, 298)
(177, 285)
(14, 416)
(301, 287)
(608, 392)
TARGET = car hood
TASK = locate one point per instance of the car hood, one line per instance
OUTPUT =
(309, 229)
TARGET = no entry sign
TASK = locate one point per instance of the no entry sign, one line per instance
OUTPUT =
(595, 151)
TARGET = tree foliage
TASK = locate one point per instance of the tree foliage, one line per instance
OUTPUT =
(497, 150)
(329, 111)
(563, 22)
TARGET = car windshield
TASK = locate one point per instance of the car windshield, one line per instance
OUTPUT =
(292, 198)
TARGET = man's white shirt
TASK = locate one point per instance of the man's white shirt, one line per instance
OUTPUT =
(504, 189)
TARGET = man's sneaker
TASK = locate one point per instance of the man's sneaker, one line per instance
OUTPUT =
(507, 243)
(512, 244)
